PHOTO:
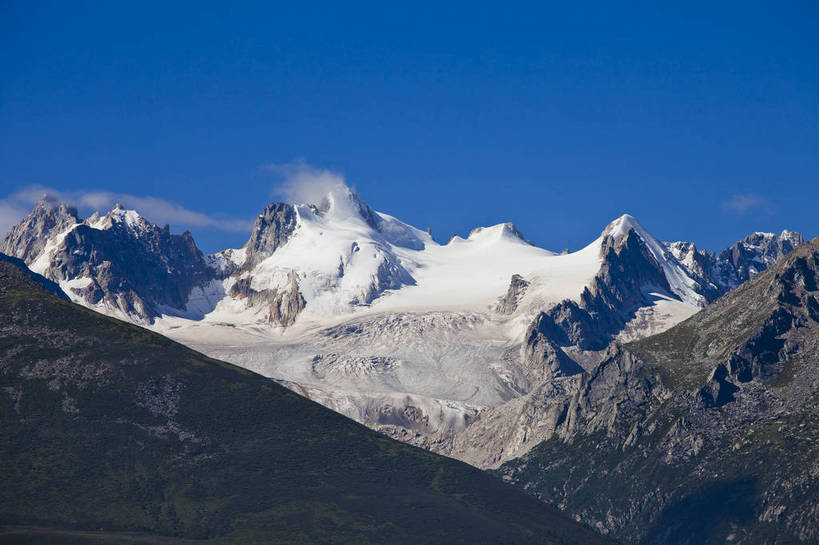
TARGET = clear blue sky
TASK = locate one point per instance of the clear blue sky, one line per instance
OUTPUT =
(700, 119)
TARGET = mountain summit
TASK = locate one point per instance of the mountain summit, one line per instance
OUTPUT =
(119, 263)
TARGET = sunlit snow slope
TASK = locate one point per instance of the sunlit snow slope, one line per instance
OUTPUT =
(393, 328)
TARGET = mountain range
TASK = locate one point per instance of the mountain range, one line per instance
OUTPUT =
(375, 319)
(643, 387)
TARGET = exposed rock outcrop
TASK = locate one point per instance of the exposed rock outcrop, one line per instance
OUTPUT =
(27, 239)
(119, 261)
(283, 304)
(509, 302)
(627, 269)
(715, 275)
(272, 229)
(671, 438)
(543, 358)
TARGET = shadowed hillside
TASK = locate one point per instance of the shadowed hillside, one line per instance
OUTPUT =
(707, 433)
(106, 425)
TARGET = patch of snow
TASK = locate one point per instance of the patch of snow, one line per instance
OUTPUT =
(664, 312)
(42, 263)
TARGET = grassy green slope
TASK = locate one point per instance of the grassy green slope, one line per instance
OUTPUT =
(107, 425)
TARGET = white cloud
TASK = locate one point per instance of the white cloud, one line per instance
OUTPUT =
(160, 211)
(304, 184)
(10, 214)
(742, 203)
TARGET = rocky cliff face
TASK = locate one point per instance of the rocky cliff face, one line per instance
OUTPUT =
(283, 304)
(119, 261)
(755, 253)
(509, 302)
(271, 230)
(716, 275)
(628, 272)
(670, 439)
(628, 269)
(27, 239)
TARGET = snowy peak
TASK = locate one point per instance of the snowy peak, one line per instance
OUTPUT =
(502, 231)
(678, 277)
(343, 208)
(622, 225)
(337, 256)
(119, 263)
(326, 258)
(344, 204)
(128, 219)
(697, 277)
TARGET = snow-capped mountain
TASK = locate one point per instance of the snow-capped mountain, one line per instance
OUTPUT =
(118, 264)
(374, 318)
(323, 259)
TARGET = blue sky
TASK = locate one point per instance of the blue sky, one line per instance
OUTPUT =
(700, 119)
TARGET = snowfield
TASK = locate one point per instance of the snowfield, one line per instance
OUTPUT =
(398, 329)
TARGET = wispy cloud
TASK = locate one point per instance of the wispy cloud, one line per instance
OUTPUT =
(10, 213)
(302, 183)
(160, 211)
(743, 203)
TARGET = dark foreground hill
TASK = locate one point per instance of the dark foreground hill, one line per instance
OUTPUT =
(706, 433)
(104, 425)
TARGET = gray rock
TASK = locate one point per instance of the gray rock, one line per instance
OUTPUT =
(271, 230)
(509, 302)
(27, 239)
(283, 305)
(132, 265)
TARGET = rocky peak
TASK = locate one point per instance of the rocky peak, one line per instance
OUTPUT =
(271, 230)
(122, 218)
(757, 252)
(120, 263)
(622, 225)
(699, 277)
(627, 271)
(49, 217)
